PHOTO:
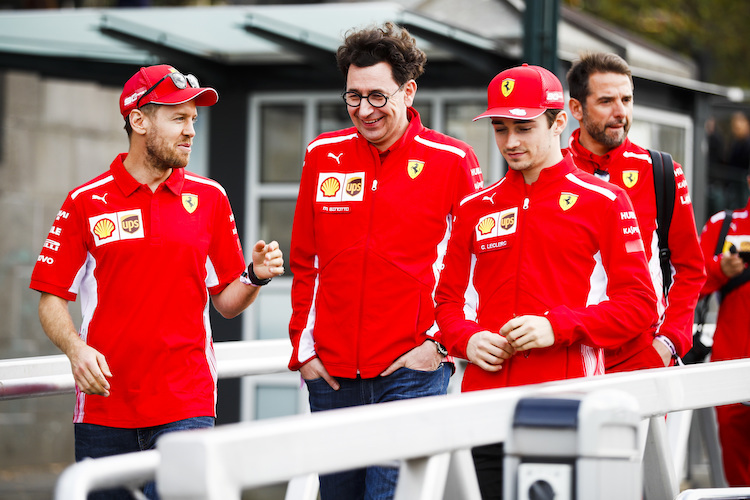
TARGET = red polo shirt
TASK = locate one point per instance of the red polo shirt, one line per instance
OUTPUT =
(144, 264)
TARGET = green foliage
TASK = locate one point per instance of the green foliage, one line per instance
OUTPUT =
(714, 33)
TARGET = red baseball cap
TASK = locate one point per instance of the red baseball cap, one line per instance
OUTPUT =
(523, 93)
(162, 84)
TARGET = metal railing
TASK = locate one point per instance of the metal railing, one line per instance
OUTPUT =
(50, 375)
(430, 437)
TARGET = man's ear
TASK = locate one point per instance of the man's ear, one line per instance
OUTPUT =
(138, 121)
(576, 108)
(410, 90)
(561, 121)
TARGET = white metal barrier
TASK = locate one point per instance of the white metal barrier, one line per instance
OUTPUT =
(430, 436)
(48, 375)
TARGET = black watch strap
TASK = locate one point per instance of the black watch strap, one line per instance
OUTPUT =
(440, 347)
(249, 277)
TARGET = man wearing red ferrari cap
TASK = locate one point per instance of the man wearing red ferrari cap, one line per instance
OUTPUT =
(552, 255)
(146, 244)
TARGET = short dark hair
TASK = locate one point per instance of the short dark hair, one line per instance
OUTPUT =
(590, 63)
(389, 43)
(551, 115)
(148, 109)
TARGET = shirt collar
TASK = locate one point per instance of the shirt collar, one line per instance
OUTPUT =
(129, 185)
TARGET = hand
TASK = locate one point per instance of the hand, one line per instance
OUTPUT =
(528, 332)
(489, 350)
(314, 369)
(664, 351)
(268, 260)
(424, 358)
(731, 265)
(90, 370)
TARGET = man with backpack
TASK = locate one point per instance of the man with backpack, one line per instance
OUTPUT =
(601, 99)
(725, 241)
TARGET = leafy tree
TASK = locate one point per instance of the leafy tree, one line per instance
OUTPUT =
(714, 33)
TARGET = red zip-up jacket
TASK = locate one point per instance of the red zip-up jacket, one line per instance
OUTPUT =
(629, 167)
(566, 247)
(732, 335)
(368, 239)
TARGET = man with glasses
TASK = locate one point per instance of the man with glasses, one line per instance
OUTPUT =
(146, 244)
(373, 216)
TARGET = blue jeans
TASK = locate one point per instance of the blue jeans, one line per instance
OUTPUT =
(95, 441)
(375, 482)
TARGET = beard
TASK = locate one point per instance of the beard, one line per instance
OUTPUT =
(162, 156)
(604, 135)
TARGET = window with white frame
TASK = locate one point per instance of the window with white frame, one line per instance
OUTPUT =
(281, 126)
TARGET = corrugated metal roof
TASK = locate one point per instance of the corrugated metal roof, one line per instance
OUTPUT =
(225, 34)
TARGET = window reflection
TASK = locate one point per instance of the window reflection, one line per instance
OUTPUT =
(282, 134)
(332, 117)
(276, 218)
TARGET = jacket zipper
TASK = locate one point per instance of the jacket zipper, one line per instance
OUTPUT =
(521, 233)
(374, 189)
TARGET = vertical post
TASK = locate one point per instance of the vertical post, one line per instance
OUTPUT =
(574, 448)
(540, 33)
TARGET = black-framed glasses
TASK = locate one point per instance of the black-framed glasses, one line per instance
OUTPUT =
(180, 81)
(376, 99)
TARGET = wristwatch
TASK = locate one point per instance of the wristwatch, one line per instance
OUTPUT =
(440, 347)
(249, 278)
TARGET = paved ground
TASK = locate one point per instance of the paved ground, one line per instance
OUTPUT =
(29, 483)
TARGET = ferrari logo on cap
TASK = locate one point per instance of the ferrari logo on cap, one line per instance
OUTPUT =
(507, 86)
(414, 167)
(629, 178)
(190, 202)
(567, 200)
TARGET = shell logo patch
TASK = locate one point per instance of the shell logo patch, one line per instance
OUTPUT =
(486, 225)
(629, 178)
(116, 226)
(190, 202)
(567, 200)
(330, 187)
(414, 168)
(507, 86)
(104, 229)
(340, 186)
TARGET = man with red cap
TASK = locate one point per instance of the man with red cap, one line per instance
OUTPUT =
(146, 244)
(552, 256)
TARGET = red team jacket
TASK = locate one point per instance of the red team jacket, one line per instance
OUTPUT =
(732, 335)
(630, 168)
(368, 239)
(144, 264)
(567, 247)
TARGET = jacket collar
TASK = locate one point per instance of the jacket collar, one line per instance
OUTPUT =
(589, 161)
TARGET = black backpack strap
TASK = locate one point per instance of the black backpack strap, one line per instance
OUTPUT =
(699, 351)
(724, 232)
(665, 191)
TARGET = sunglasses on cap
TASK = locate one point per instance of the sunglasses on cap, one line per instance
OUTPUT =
(178, 79)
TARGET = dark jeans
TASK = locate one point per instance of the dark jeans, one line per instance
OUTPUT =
(488, 462)
(375, 482)
(95, 441)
